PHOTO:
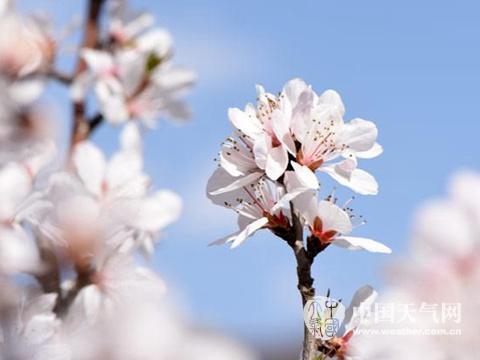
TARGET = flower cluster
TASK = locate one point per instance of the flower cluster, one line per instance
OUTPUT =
(70, 233)
(439, 278)
(27, 51)
(270, 163)
(132, 73)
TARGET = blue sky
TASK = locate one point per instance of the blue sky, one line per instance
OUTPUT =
(412, 67)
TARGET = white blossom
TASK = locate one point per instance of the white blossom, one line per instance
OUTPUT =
(282, 141)
(330, 224)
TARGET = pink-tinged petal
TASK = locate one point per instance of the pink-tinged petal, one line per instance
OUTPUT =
(373, 152)
(277, 162)
(305, 176)
(281, 128)
(358, 243)
(245, 122)
(358, 180)
(359, 134)
(333, 217)
(90, 166)
(249, 231)
(237, 183)
(359, 307)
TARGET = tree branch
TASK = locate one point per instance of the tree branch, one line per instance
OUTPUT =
(50, 278)
(305, 280)
(84, 278)
(59, 76)
(81, 127)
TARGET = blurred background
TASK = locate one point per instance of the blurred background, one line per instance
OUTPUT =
(411, 67)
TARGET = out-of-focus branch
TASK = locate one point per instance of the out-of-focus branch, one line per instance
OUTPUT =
(59, 76)
(49, 279)
(81, 127)
(84, 275)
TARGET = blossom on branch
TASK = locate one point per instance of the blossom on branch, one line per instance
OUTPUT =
(282, 141)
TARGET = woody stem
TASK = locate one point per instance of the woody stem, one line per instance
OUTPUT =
(305, 280)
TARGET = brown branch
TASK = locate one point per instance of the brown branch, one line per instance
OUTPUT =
(81, 127)
(305, 280)
(49, 279)
(84, 278)
(81, 130)
(59, 76)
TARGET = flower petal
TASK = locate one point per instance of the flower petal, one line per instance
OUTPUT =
(277, 161)
(333, 217)
(359, 134)
(237, 159)
(158, 41)
(238, 183)
(249, 231)
(90, 165)
(373, 152)
(358, 243)
(281, 128)
(306, 176)
(245, 122)
(358, 180)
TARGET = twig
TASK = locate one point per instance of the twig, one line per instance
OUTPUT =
(82, 128)
(49, 279)
(59, 76)
(305, 280)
